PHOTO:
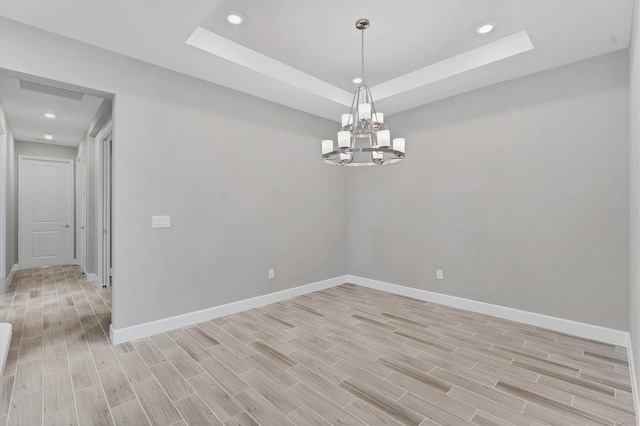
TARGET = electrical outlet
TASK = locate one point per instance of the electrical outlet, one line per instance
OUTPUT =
(439, 274)
(271, 273)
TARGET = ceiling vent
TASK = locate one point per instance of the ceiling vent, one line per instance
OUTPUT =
(47, 140)
(49, 90)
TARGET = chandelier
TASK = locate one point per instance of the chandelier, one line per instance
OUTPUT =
(363, 139)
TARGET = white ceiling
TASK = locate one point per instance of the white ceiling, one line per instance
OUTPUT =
(403, 37)
(303, 54)
(25, 111)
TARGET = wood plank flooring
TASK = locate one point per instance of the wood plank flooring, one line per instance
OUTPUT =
(347, 355)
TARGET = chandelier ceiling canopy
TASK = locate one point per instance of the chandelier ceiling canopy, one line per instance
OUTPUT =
(363, 139)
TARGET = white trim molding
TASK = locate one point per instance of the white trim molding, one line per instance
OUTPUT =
(635, 386)
(102, 204)
(154, 327)
(588, 331)
(5, 282)
(92, 277)
(4, 170)
(580, 329)
(5, 341)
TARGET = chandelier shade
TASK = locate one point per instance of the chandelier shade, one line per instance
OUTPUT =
(363, 139)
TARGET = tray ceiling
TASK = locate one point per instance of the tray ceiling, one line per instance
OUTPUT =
(303, 54)
(319, 37)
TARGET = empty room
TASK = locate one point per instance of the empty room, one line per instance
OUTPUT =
(319, 212)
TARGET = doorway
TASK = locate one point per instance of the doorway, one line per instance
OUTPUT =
(63, 126)
(57, 138)
(45, 200)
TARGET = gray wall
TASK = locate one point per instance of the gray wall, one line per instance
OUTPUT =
(505, 189)
(240, 177)
(10, 215)
(45, 150)
(88, 144)
(5, 133)
(12, 204)
(87, 149)
(8, 256)
(634, 289)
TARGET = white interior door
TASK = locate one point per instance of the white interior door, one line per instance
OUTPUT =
(45, 211)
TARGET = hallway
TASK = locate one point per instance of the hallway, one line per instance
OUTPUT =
(60, 328)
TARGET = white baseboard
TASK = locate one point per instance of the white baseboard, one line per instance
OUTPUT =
(4, 282)
(635, 386)
(92, 277)
(588, 331)
(5, 342)
(154, 327)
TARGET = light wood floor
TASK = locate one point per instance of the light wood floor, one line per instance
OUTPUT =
(347, 355)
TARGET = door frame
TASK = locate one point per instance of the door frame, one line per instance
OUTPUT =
(81, 212)
(3, 208)
(22, 231)
(103, 141)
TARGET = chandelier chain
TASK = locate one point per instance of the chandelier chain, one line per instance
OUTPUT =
(362, 55)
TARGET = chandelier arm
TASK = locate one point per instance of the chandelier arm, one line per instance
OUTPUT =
(356, 108)
(351, 111)
(370, 131)
(354, 103)
(352, 140)
(373, 107)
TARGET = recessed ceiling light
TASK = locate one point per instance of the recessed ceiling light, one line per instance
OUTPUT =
(48, 137)
(484, 28)
(235, 18)
(357, 80)
(49, 115)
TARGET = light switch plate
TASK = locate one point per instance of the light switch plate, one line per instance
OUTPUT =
(161, 221)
